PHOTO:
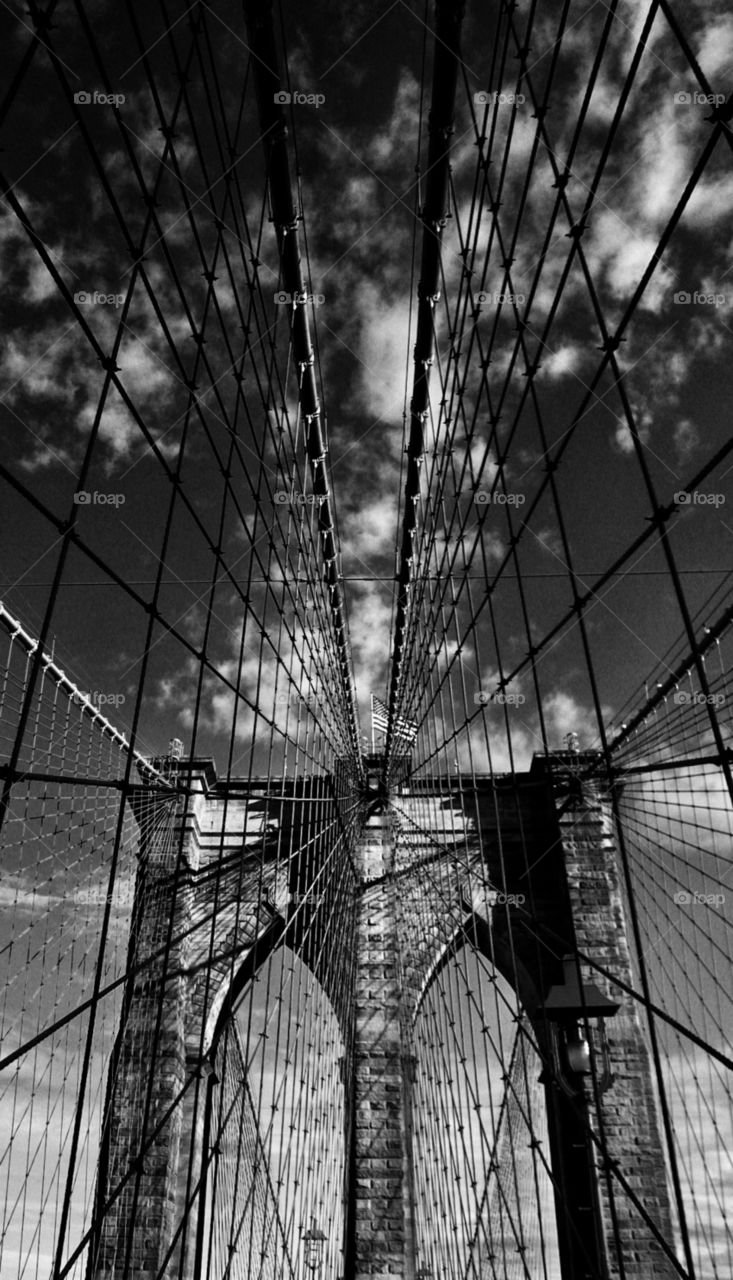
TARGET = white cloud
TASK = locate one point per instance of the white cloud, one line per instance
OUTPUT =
(387, 144)
(565, 359)
(41, 284)
(686, 439)
(550, 541)
(714, 47)
(35, 365)
(508, 736)
(41, 456)
(623, 254)
(142, 372)
(564, 714)
(710, 202)
(372, 528)
(662, 162)
(604, 100)
(369, 626)
(382, 352)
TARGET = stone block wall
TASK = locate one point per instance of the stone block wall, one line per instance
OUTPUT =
(157, 1057)
(629, 1118)
(149, 1070)
(381, 1193)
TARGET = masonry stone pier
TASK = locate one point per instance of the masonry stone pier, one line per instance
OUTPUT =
(543, 839)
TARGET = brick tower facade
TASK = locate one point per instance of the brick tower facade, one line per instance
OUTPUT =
(543, 838)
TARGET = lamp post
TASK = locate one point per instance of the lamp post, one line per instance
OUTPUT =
(315, 1243)
(567, 1010)
(568, 1007)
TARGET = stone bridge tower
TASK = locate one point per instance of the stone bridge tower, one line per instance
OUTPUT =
(544, 839)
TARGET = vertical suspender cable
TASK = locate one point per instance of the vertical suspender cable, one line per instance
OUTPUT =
(449, 19)
(265, 62)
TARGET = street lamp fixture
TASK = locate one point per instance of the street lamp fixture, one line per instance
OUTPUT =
(315, 1243)
(568, 1008)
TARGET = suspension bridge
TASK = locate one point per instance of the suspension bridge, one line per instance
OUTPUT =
(371, 361)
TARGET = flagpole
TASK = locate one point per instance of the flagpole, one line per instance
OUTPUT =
(372, 704)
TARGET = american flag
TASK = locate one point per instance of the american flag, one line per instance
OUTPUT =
(404, 729)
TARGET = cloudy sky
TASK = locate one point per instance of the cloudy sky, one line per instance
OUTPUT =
(81, 177)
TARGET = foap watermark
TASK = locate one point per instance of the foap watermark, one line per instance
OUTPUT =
(683, 698)
(698, 499)
(123, 895)
(99, 699)
(95, 98)
(497, 298)
(298, 99)
(284, 499)
(97, 299)
(684, 898)
(85, 498)
(684, 299)
(509, 900)
(502, 699)
(693, 98)
(283, 298)
(485, 98)
(291, 698)
(484, 498)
